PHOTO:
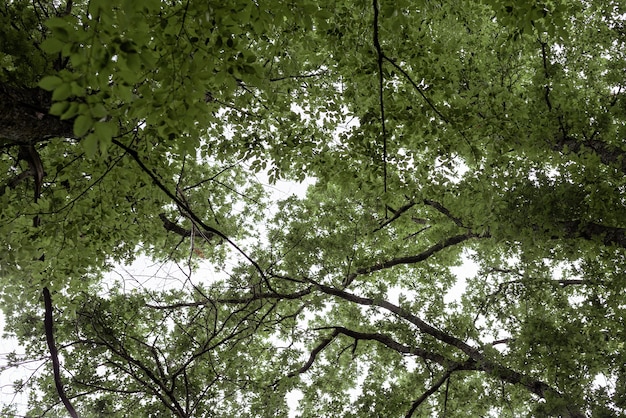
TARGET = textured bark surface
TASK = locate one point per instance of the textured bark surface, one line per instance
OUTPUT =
(24, 117)
(609, 154)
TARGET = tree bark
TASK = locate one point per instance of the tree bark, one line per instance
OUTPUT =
(54, 354)
(24, 118)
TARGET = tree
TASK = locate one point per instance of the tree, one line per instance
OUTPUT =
(434, 131)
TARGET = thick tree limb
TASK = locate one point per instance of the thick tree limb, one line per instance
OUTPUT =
(454, 240)
(31, 156)
(406, 315)
(24, 118)
(174, 227)
(483, 363)
(54, 354)
(14, 181)
(607, 234)
(183, 232)
(608, 154)
(396, 346)
(457, 239)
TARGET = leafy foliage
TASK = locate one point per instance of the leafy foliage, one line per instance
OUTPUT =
(431, 133)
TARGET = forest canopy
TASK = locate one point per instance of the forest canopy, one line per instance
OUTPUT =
(430, 134)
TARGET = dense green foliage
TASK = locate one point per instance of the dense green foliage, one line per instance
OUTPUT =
(433, 132)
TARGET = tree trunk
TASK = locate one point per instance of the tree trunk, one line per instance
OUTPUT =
(24, 117)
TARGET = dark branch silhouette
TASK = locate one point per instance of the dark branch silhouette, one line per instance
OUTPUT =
(483, 363)
(54, 354)
(429, 392)
(318, 349)
(379, 62)
(454, 240)
(183, 206)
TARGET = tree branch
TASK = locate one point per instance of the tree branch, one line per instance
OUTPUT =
(235, 300)
(404, 314)
(192, 216)
(475, 355)
(24, 118)
(417, 88)
(429, 392)
(322, 345)
(396, 214)
(14, 181)
(379, 55)
(546, 75)
(454, 240)
(589, 231)
(396, 346)
(54, 354)
(440, 208)
(299, 76)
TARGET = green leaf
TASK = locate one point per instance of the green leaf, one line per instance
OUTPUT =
(82, 125)
(90, 145)
(501, 143)
(98, 111)
(71, 111)
(62, 92)
(56, 23)
(52, 45)
(50, 82)
(59, 108)
(105, 131)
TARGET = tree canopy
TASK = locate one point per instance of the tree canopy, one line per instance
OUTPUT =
(431, 132)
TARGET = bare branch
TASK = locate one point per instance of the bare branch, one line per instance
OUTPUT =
(454, 240)
(483, 363)
(429, 392)
(322, 345)
(379, 55)
(396, 214)
(54, 354)
(192, 216)
(440, 208)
